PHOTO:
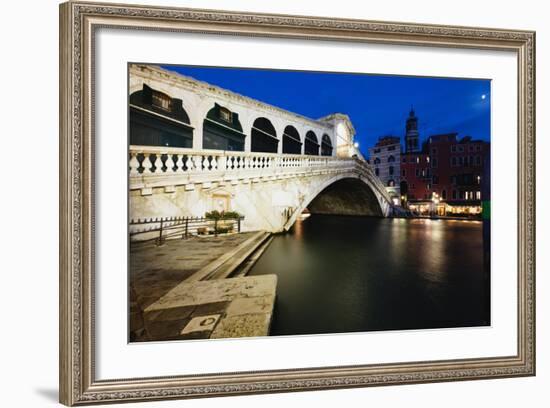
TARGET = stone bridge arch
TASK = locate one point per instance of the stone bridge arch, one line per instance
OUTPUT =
(343, 194)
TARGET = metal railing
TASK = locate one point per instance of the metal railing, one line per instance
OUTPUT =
(161, 229)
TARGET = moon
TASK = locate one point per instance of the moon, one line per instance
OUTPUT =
(483, 96)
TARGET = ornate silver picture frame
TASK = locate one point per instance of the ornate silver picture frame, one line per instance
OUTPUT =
(79, 23)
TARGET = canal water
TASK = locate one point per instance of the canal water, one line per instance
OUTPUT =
(348, 274)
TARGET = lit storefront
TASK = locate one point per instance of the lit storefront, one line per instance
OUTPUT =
(445, 209)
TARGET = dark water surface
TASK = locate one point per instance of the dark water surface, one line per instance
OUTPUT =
(347, 274)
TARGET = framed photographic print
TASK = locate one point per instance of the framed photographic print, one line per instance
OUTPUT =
(260, 203)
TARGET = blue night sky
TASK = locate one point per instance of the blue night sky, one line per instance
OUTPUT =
(377, 104)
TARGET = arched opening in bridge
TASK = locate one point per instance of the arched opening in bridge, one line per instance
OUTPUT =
(222, 130)
(348, 196)
(156, 119)
(326, 146)
(291, 141)
(264, 137)
(311, 146)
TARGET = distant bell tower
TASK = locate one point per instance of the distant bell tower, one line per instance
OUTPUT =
(411, 133)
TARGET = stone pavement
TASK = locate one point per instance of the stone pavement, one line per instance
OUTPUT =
(170, 301)
(155, 270)
(221, 308)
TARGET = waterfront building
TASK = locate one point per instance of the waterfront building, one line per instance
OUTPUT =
(385, 159)
(444, 176)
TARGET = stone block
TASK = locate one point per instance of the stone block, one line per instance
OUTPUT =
(146, 191)
(248, 325)
(250, 305)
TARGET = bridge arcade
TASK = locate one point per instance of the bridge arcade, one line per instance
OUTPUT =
(195, 147)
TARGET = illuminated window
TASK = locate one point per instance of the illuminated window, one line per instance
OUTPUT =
(162, 101)
(478, 195)
(225, 115)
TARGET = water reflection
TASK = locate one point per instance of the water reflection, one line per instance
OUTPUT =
(342, 274)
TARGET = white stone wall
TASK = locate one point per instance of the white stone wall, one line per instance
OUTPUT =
(258, 200)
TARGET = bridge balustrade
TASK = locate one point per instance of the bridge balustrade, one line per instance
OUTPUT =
(152, 162)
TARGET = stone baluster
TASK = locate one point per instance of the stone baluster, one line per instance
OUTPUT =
(189, 163)
(179, 163)
(170, 164)
(158, 163)
(197, 163)
(222, 162)
(147, 163)
(134, 164)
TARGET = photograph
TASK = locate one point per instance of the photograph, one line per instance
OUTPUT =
(269, 202)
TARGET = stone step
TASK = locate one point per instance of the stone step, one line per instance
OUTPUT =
(242, 254)
(226, 263)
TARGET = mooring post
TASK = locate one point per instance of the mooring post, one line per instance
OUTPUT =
(186, 226)
(160, 233)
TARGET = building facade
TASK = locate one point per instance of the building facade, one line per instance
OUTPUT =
(443, 176)
(385, 159)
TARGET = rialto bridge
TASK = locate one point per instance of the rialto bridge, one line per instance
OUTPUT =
(195, 147)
